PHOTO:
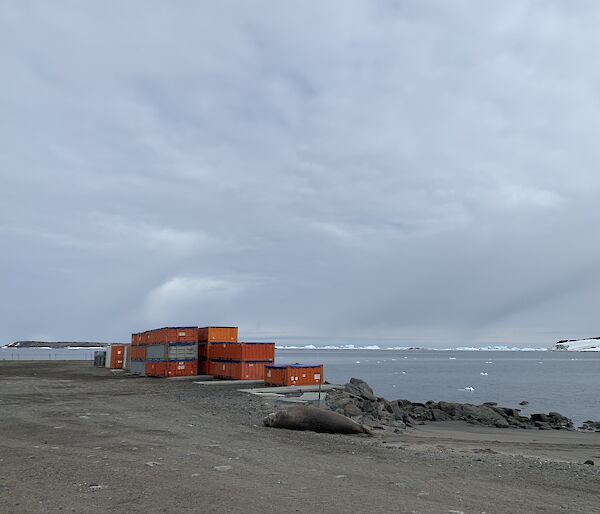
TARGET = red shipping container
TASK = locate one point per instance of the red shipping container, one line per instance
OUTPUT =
(294, 374)
(203, 367)
(233, 370)
(138, 353)
(276, 375)
(218, 334)
(117, 356)
(172, 368)
(205, 351)
(182, 368)
(243, 351)
(179, 335)
(156, 368)
(171, 335)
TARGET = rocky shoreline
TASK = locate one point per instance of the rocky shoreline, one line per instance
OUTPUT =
(357, 401)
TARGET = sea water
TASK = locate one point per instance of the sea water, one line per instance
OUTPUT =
(565, 382)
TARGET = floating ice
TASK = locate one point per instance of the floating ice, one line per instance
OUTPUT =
(483, 373)
(451, 358)
(499, 348)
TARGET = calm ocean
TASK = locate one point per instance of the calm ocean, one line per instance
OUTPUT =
(567, 382)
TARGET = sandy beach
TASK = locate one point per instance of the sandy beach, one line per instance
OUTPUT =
(79, 439)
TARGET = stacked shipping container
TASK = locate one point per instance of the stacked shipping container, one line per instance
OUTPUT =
(239, 361)
(165, 352)
(207, 338)
(188, 351)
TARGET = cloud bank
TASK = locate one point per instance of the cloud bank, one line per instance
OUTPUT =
(420, 172)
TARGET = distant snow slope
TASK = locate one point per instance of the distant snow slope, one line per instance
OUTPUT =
(578, 345)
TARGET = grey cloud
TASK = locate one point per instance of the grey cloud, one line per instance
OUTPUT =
(411, 171)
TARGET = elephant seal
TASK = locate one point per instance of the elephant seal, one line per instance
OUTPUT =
(316, 420)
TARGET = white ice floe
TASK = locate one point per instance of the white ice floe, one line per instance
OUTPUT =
(483, 373)
(499, 348)
(451, 358)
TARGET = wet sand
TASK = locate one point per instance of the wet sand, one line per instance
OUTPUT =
(78, 439)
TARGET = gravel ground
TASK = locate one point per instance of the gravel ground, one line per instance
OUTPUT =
(85, 440)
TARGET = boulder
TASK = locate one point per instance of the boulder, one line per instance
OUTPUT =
(449, 408)
(360, 388)
(591, 425)
(543, 418)
(351, 410)
(439, 415)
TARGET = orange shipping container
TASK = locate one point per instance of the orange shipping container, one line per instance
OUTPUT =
(138, 353)
(203, 367)
(170, 335)
(237, 370)
(117, 356)
(294, 374)
(243, 351)
(172, 368)
(218, 334)
(205, 350)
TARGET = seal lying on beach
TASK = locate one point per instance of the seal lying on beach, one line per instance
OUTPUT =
(315, 420)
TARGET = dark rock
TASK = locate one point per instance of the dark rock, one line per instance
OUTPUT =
(439, 415)
(543, 418)
(398, 412)
(352, 410)
(591, 425)
(360, 388)
(358, 401)
(370, 407)
(589, 462)
(510, 413)
(449, 408)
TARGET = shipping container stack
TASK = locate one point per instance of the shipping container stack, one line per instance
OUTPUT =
(207, 338)
(165, 352)
(138, 354)
(172, 352)
(190, 351)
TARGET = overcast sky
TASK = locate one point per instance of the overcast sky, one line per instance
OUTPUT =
(407, 171)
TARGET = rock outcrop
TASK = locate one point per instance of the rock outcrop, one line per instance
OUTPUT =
(591, 426)
(357, 401)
